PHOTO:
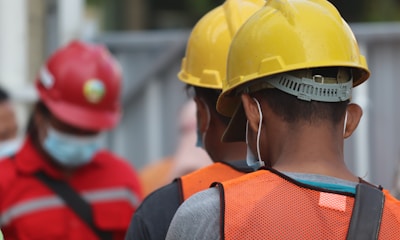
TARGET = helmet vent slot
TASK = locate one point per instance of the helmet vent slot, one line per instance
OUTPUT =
(308, 89)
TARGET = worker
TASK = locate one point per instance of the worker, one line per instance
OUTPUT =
(61, 184)
(290, 72)
(9, 140)
(203, 69)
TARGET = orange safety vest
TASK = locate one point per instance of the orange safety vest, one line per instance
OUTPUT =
(268, 205)
(202, 179)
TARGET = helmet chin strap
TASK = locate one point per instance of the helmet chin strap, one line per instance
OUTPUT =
(262, 164)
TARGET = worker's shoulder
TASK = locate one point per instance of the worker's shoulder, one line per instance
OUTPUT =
(392, 204)
(155, 213)
(167, 197)
(7, 164)
(8, 171)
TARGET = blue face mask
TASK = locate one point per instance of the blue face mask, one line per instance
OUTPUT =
(199, 142)
(70, 150)
(10, 147)
(251, 160)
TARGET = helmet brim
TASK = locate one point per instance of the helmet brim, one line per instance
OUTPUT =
(82, 118)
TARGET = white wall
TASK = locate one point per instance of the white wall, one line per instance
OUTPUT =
(14, 50)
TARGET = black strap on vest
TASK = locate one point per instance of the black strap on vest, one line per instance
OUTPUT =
(75, 202)
(367, 213)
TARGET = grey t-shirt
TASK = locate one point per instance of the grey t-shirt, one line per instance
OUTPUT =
(198, 217)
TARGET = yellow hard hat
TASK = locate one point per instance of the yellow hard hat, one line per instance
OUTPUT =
(207, 50)
(288, 35)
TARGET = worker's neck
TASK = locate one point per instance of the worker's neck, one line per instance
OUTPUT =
(315, 150)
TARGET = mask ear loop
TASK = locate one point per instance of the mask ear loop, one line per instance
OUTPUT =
(262, 164)
(345, 122)
(247, 131)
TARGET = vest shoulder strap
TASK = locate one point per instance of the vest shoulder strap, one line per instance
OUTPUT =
(74, 201)
(367, 213)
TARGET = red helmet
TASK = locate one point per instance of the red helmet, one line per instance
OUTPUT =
(80, 84)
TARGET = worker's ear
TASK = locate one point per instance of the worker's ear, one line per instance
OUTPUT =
(354, 114)
(203, 114)
(252, 111)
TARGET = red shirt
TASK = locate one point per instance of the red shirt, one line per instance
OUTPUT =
(30, 210)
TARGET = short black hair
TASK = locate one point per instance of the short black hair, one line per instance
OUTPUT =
(293, 110)
(4, 96)
(210, 96)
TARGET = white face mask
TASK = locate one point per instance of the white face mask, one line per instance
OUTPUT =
(70, 150)
(251, 160)
(10, 147)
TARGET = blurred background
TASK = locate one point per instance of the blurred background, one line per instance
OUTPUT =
(148, 37)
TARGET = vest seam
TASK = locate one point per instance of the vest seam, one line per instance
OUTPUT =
(306, 186)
